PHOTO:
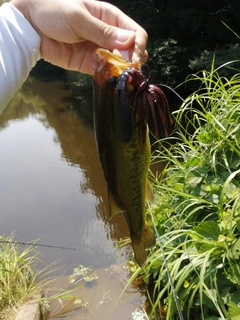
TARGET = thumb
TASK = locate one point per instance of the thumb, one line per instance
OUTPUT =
(105, 35)
(111, 37)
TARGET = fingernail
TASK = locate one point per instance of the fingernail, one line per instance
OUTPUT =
(125, 35)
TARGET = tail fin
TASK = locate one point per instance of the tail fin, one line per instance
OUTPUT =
(139, 252)
(147, 241)
(148, 237)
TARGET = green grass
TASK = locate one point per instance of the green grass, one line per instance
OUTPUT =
(18, 279)
(197, 213)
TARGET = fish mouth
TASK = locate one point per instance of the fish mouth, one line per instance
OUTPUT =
(115, 62)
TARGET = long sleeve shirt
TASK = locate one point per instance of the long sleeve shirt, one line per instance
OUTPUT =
(19, 51)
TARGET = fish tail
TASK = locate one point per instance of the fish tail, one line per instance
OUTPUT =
(147, 241)
(139, 252)
(148, 237)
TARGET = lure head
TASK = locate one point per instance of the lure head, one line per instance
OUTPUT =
(111, 64)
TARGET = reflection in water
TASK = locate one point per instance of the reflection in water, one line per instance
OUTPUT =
(52, 189)
(52, 186)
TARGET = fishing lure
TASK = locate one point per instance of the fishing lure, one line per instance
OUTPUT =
(136, 100)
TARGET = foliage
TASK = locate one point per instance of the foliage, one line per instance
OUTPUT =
(184, 34)
(17, 276)
(164, 60)
(201, 21)
(198, 210)
(223, 54)
(19, 282)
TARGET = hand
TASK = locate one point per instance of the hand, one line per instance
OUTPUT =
(72, 30)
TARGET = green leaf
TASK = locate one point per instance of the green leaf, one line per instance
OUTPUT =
(233, 311)
(238, 226)
(231, 191)
(194, 181)
(235, 297)
(208, 229)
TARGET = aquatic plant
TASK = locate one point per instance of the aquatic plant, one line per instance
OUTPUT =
(64, 301)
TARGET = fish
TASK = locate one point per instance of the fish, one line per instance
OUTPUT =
(124, 147)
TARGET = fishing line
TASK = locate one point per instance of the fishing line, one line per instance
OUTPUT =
(166, 86)
(38, 245)
(166, 266)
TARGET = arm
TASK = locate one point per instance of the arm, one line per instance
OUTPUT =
(64, 33)
(19, 51)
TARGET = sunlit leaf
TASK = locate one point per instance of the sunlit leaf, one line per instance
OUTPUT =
(231, 191)
(194, 181)
(234, 311)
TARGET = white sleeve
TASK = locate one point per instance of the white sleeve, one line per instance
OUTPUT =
(19, 51)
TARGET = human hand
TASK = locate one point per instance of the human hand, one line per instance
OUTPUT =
(71, 31)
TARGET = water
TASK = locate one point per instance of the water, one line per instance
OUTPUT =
(52, 187)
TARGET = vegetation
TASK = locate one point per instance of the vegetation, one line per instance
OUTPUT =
(17, 276)
(182, 33)
(198, 210)
(20, 281)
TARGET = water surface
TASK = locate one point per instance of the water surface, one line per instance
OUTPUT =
(52, 187)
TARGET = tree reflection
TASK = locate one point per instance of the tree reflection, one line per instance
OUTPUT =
(53, 104)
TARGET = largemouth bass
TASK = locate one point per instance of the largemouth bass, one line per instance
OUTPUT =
(125, 161)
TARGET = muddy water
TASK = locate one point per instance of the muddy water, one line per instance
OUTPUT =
(52, 190)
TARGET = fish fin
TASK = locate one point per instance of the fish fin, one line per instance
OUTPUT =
(148, 237)
(139, 252)
(114, 209)
(149, 192)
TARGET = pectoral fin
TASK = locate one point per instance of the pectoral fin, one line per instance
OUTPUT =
(149, 192)
(113, 207)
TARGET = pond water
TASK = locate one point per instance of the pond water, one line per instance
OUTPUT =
(52, 190)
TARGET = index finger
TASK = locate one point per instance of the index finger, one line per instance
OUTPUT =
(113, 16)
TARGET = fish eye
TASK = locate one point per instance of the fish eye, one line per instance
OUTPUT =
(112, 80)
